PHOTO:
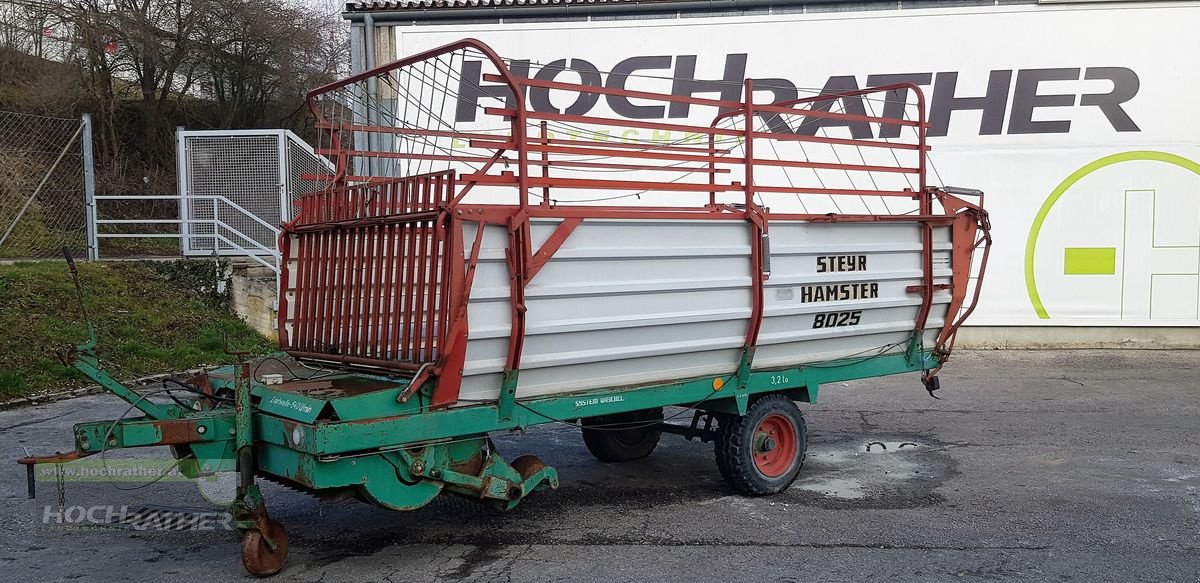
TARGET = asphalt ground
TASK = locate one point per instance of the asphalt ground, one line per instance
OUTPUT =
(1035, 466)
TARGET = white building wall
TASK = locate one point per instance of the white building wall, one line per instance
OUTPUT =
(1078, 121)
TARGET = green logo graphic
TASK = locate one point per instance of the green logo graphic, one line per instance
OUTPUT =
(1086, 260)
(1090, 261)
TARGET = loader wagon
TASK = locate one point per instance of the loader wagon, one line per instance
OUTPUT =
(464, 267)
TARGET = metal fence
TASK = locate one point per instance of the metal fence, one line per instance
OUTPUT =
(235, 188)
(45, 185)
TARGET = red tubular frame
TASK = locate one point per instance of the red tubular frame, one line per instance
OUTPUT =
(350, 305)
(382, 277)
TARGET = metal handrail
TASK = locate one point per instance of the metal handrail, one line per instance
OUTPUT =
(273, 267)
(253, 249)
(216, 197)
(219, 223)
(214, 235)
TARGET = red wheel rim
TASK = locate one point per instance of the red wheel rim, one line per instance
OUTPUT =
(775, 444)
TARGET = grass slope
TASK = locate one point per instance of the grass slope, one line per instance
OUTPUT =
(150, 318)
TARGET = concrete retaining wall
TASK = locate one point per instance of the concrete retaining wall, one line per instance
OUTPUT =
(1062, 337)
(254, 298)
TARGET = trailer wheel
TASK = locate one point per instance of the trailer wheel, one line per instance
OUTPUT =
(761, 452)
(623, 437)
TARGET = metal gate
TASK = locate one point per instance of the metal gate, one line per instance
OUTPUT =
(237, 186)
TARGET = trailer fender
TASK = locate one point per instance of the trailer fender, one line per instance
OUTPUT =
(729, 406)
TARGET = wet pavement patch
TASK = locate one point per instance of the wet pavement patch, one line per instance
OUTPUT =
(892, 472)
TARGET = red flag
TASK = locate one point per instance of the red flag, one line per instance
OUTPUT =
(110, 45)
(48, 31)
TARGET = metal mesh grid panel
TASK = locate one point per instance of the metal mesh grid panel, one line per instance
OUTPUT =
(244, 170)
(42, 201)
(302, 161)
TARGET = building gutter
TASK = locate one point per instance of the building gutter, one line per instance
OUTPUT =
(581, 11)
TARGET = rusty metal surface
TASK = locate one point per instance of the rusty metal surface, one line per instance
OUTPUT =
(56, 458)
(335, 386)
(258, 557)
(366, 276)
(177, 432)
(471, 466)
(527, 465)
(328, 384)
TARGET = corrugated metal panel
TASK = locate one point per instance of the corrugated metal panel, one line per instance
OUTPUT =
(667, 299)
(892, 252)
(629, 302)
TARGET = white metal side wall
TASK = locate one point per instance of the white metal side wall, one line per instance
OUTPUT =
(630, 302)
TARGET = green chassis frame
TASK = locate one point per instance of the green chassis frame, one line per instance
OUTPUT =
(397, 452)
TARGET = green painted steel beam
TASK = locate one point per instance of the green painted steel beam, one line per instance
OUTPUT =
(374, 456)
(325, 438)
(506, 402)
(275, 427)
(404, 480)
(97, 436)
(86, 362)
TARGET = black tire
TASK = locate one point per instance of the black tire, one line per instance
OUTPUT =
(742, 452)
(622, 437)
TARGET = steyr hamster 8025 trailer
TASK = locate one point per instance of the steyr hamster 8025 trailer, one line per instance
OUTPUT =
(472, 265)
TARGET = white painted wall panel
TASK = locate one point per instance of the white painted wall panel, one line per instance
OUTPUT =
(1055, 165)
(631, 302)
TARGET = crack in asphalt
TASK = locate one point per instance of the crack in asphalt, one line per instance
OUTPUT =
(33, 422)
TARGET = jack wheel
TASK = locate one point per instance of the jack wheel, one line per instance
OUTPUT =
(258, 557)
(527, 465)
(761, 452)
(623, 437)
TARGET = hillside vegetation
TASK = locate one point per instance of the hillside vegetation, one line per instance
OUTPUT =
(150, 318)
